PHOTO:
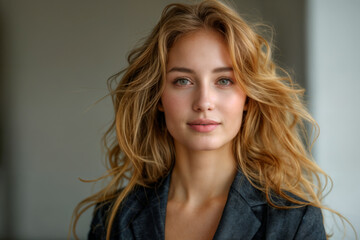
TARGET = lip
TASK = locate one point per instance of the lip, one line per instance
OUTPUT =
(203, 125)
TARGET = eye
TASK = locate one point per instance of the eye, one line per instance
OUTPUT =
(224, 82)
(182, 81)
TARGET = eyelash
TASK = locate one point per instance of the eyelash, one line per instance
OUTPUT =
(177, 81)
(189, 82)
(229, 81)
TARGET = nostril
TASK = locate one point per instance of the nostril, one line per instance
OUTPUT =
(203, 100)
(205, 106)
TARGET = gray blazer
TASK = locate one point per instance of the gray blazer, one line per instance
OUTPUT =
(246, 215)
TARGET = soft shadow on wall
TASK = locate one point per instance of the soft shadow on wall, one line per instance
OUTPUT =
(5, 157)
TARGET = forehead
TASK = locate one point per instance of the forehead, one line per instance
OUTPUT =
(203, 48)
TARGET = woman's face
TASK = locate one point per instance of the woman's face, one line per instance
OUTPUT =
(202, 103)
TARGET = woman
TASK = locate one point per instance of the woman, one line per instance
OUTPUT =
(209, 135)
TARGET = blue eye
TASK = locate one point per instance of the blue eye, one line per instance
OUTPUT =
(182, 81)
(224, 82)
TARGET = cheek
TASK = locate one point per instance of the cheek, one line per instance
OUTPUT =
(173, 105)
(234, 107)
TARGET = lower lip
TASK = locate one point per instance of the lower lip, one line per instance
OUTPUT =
(203, 128)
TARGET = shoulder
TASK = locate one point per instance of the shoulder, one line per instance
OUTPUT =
(311, 225)
(305, 222)
(97, 226)
(294, 222)
(133, 203)
(290, 222)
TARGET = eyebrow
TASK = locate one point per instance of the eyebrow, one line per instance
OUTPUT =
(188, 70)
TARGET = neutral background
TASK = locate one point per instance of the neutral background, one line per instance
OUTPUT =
(55, 57)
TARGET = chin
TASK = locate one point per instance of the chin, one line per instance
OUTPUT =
(213, 146)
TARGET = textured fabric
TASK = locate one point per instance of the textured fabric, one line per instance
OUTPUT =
(246, 215)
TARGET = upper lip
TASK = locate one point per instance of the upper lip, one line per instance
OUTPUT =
(203, 122)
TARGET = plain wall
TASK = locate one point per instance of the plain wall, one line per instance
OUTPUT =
(334, 84)
(57, 56)
(55, 59)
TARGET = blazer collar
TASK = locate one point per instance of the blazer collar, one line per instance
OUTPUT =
(238, 221)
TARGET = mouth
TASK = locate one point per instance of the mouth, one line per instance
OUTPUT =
(203, 125)
(203, 122)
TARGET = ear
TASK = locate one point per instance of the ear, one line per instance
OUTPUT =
(246, 104)
(160, 106)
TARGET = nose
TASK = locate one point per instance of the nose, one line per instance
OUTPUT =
(204, 99)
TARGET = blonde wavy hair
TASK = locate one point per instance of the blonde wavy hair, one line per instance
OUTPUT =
(269, 147)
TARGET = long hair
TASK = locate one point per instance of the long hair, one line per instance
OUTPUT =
(271, 148)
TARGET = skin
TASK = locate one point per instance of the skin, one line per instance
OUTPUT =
(203, 107)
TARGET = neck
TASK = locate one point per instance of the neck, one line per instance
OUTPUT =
(200, 176)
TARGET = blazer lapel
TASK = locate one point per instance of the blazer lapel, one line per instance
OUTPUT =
(150, 221)
(238, 220)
